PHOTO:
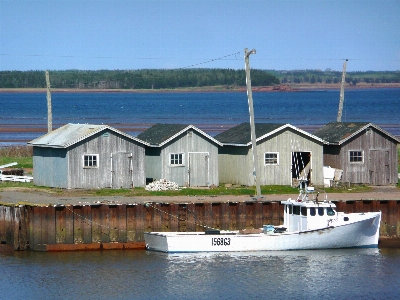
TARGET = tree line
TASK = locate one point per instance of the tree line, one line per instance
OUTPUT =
(331, 77)
(183, 78)
(135, 79)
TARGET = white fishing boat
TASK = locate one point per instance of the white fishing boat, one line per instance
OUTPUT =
(308, 224)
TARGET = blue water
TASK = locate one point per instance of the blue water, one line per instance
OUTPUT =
(322, 274)
(211, 112)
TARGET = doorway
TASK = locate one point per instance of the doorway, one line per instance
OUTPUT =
(301, 168)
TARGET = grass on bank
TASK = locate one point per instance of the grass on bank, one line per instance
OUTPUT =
(190, 192)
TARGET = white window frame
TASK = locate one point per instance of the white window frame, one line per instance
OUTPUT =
(271, 164)
(356, 162)
(90, 156)
(176, 164)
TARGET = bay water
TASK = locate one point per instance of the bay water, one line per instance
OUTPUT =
(322, 274)
(318, 274)
(23, 116)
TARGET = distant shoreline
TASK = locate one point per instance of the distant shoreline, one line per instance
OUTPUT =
(212, 89)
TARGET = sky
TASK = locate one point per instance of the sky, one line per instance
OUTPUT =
(172, 34)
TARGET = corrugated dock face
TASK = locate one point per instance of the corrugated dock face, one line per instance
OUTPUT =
(103, 226)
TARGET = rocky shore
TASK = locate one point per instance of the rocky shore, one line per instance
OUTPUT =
(293, 87)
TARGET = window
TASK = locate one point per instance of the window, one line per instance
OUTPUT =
(90, 161)
(296, 210)
(271, 158)
(356, 156)
(320, 211)
(304, 211)
(312, 211)
(176, 159)
(330, 211)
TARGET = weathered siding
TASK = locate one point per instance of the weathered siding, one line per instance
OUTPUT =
(104, 144)
(236, 163)
(380, 159)
(285, 144)
(153, 163)
(103, 226)
(50, 167)
(188, 143)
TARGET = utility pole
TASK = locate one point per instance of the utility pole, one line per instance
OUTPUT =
(339, 116)
(252, 123)
(49, 112)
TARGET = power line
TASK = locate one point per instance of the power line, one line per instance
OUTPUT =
(208, 61)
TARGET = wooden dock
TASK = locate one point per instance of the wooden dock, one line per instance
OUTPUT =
(121, 226)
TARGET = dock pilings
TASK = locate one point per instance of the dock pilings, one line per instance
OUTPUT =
(122, 226)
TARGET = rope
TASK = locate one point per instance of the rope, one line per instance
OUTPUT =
(179, 219)
(90, 222)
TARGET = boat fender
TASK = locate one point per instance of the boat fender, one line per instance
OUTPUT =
(212, 231)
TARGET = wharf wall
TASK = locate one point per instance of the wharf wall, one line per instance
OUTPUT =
(111, 226)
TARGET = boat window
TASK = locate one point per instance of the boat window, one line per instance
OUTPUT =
(304, 211)
(296, 210)
(290, 209)
(312, 211)
(320, 211)
(330, 211)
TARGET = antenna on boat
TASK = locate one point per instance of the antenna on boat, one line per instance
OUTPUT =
(251, 112)
(339, 116)
(49, 111)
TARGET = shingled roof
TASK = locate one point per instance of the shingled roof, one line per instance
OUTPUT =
(240, 135)
(160, 134)
(71, 134)
(340, 132)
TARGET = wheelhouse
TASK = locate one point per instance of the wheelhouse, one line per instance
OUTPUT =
(301, 215)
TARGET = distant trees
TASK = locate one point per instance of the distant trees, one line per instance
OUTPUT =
(182, 78)
(333, 77)
(135, 79)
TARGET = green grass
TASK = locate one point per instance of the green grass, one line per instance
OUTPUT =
(23, 162)
(219, 191)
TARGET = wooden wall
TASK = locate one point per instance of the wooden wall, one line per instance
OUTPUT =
(236, 162)
(63, 168)
(380, 159)
(189, 142)
(122, 226)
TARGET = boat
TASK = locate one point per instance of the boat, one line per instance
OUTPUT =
(308, 224)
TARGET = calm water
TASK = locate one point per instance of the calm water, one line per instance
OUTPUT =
(323, 274)
(211, 112)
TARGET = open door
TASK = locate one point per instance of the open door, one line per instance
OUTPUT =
(301, 167)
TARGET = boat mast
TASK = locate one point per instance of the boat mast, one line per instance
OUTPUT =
(339, 116)
(252, 124)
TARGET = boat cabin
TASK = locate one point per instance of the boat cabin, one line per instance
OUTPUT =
(304, 214)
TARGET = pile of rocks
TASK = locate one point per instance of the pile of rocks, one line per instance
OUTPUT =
(162, 185)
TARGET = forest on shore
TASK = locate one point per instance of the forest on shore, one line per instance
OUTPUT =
(184, 78)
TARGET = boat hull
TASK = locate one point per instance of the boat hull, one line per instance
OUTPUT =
(363, 233)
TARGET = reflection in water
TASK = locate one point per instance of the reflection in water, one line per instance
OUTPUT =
(337, 274)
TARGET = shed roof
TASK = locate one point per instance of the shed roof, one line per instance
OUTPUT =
(336, 133)
(160, 134)
(71, 134)
(240, 135)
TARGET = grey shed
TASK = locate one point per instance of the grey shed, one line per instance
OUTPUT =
(285, 154)
(88, 156)
(366, 153)
(183, 154)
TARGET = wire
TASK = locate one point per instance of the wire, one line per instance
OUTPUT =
(208, 61)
